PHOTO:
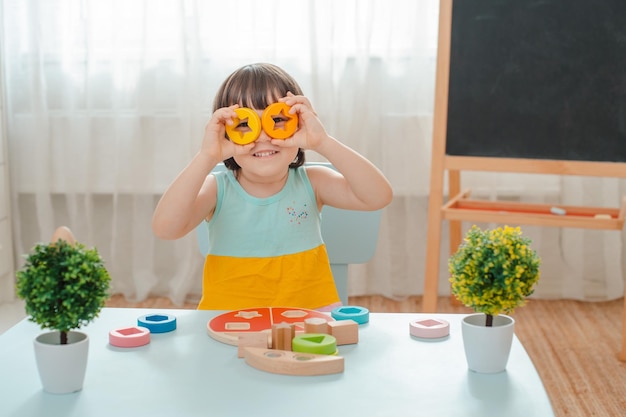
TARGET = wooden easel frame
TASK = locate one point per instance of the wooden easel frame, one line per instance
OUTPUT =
(460, 208)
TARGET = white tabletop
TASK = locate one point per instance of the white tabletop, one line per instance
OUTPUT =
(187, 373)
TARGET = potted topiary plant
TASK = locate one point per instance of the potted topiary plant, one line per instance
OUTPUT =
(64, 286)
(492, 272)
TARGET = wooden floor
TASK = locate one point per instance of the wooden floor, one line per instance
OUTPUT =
(573, 344)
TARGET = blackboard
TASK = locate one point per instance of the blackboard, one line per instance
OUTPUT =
(538, 80)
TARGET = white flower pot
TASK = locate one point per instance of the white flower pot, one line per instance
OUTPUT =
(61, 367)
(487, 348)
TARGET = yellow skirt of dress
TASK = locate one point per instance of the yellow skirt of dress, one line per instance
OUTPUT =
(301, 280)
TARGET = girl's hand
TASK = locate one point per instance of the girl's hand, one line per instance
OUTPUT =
(215, 143)
(311, 133)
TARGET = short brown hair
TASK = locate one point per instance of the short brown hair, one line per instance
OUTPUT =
(256, 86)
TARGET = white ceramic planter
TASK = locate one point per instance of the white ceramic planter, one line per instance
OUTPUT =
(61, 367)
(487, 348)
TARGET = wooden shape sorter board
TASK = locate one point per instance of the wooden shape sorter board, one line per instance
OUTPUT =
(227, 327)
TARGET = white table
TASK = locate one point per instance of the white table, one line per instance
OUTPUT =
(187, 373)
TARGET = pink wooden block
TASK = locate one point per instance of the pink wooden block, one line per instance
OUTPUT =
(128, 337)
(429, 328)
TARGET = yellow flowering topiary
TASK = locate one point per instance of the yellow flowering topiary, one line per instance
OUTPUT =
(493, 271)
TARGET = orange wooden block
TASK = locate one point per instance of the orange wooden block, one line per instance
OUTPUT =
(345, 331)
(287, 123)
(252, 130)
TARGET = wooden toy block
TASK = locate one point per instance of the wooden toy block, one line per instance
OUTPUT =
(315, 343)
(282, 335)
(359, 314)
(280, 110)
(345, 331)
(257, 339)
(253, 123)
(429, 328)
(157, 323)
(227, 327)
(316, 325)
(129, 337)
(293, 363)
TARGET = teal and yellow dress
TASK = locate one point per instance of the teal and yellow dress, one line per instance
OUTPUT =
(266, 252)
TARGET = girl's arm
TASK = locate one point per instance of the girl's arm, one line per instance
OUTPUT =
(358, 184)
(192, 195)
(187, 200)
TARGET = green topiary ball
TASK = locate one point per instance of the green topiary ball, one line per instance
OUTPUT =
(493, 271)
(64, 286)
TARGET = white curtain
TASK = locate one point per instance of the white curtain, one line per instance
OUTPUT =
(107, 100)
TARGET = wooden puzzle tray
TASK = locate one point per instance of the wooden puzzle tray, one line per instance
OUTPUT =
(227, 327)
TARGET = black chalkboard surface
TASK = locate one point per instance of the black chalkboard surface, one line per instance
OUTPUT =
(538, 79)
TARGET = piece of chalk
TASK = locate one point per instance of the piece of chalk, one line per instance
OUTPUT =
(558, 211)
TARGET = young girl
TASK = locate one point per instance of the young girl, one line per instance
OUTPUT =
(263, 213)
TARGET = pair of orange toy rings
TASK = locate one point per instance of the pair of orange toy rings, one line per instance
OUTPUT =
(266, 122)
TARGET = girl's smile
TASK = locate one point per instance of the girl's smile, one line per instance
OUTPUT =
(264, 153)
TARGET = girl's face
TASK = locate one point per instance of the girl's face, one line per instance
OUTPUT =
(265, 159)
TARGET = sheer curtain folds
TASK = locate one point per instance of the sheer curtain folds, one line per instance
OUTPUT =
(107, 100)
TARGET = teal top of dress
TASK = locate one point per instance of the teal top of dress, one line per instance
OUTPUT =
(287, 222)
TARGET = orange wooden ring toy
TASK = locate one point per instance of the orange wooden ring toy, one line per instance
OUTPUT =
(254, 123)
(269, 126)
